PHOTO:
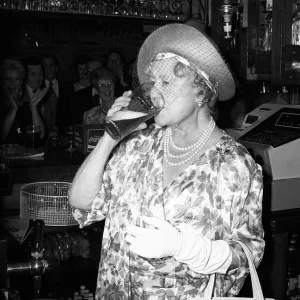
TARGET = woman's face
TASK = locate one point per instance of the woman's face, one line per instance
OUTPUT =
(82, 73)
(114, 61)
(13, 81)
(106, 91)
(178, 91)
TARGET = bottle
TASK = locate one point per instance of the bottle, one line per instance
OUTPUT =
(57, 247)
(76, 296)
(75, 245)
(84, 245)
(9, 293)
(47, 247)
(82, 290)
(296, 25)
(91, 296)
(67, 250)
(291, 277)
(298, 286)
(283, 96)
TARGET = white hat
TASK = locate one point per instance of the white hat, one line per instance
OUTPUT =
(193, 45)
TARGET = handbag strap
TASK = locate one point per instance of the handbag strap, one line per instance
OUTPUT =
(256, 287)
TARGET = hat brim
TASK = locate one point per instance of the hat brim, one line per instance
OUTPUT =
(193, 45)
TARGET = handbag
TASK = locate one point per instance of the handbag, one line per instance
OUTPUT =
(256, 287)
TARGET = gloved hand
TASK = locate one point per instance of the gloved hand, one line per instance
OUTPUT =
(159, 241)
(201, 254)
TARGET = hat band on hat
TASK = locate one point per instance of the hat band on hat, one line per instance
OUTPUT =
(185, 62)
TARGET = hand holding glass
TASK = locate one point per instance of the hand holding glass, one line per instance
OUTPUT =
(146, 102)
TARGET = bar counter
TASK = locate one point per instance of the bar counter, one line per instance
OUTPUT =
(56, 165)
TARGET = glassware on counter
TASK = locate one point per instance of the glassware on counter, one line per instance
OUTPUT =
(149, 9)
(135, 9)
(153, 11)
(33, 133)
(167, 13)
(178, 13)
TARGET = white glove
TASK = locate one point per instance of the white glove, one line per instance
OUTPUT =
(201, 254)
(160, 241)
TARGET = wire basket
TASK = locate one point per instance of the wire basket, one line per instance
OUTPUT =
(47, 201)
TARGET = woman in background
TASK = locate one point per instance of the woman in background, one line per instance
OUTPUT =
(103, 82)
(16, 114)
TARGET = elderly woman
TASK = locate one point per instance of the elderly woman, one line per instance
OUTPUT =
(103, 83)
(16, 113)
(180, 195)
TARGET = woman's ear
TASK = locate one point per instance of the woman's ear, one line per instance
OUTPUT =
(198, 92)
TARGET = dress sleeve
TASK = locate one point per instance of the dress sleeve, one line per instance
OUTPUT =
(100, 204)
(240, 193)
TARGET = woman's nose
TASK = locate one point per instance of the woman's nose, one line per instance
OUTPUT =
(105, 88)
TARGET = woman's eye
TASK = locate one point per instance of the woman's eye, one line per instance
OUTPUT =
(152, 83)
(165, 82)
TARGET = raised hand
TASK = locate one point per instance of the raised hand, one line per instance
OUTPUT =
(38, 96)
(12, 101)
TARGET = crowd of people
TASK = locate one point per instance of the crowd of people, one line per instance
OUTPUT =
(33, 93)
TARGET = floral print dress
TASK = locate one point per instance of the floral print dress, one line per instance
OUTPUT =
(219, 196)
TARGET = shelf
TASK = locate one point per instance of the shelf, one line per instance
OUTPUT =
(100, 17)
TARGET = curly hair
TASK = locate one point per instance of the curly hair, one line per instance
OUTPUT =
(12, 63)
(103, 73)
(208, 96)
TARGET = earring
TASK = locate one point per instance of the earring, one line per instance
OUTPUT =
(199, 103)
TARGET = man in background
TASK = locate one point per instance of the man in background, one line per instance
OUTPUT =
(83, 79)
(116, 63)
(56, 107)
(91, 65)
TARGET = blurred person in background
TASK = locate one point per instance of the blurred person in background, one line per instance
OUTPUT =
(82, 74)
(103, 95)
(116, 62)
(19, 103)
(91, 65)
(94, 96)
(56, 105)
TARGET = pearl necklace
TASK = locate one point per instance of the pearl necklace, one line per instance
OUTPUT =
(191, 150)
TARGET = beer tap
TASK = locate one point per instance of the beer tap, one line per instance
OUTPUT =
(36, 265)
